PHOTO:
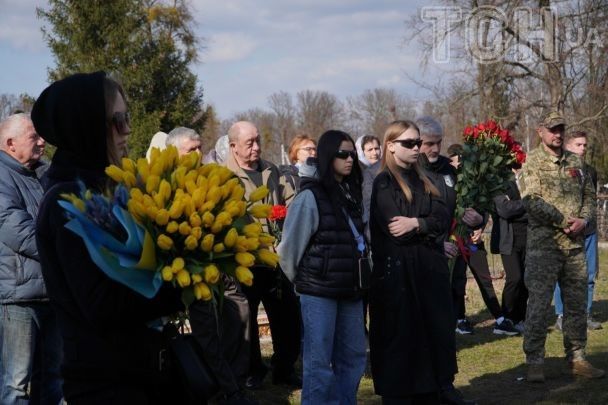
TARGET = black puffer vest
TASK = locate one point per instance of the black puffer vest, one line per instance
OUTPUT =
(330, 262)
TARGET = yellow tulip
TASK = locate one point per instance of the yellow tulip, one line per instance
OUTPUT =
(136, 208)
(252, 230)
(217, 227)
(268, 257)
(178, 264)
(172, 227)
(128, 165)
(152, 183)
(129, 179)
(190, 243)
(164, 242)
(242, 208)
(205, 170)
(214, 194)
(190, 186)
(233, 209)
(167, 273)
(238, 192)
(260, 210)
(244, 275)
(162, 217)
(152, 212)
(259, 194)
(207, 206)
(79, 204)
(230, 238)
(154, 154)
(224, 218)
(212, 274)
(201, 182)
(136, 194)
(179, 176)
(88, 194)
(198, 197)
(176, 210)
(196, 278)
(224, 174)
(184, 228)
(164, 189)
(115, 173)
(219, 248)
(214, 180)
(266, 239)
(208, 219)
(143, 168)
(189, 207)
(207, 242)
(245, 259)
(183, 278)
(202, 292)
(159, 201)
(157, 168)
(252, 243)
(197, 232)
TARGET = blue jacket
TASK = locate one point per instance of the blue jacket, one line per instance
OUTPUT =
(20, 194)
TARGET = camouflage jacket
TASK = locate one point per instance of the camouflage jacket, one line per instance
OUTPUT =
(554, 189)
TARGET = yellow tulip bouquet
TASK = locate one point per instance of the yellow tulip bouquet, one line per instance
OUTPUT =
(173, 220)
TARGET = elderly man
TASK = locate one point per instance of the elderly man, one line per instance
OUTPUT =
(186, 140)
(270, 286)
(576, 142)
(560, 202)
(30, 345)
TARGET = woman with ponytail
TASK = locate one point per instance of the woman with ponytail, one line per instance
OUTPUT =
(411, 323)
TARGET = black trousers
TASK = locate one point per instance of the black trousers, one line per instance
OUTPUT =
(478, 263)
(515, 293)
(277, 295)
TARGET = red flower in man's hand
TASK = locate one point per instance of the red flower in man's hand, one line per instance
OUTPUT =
(277, 213)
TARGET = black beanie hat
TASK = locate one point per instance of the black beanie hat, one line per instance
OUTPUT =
(71, 115)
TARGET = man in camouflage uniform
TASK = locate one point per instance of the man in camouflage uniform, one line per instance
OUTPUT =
(559, 200)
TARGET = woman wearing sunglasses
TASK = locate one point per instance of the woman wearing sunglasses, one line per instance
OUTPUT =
(320, 253)
(103, 323)
(411, 323)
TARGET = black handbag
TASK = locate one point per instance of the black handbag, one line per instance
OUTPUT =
(186, 363)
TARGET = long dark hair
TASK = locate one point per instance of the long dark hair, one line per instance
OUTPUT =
(329, 144)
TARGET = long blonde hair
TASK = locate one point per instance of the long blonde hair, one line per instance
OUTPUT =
(393, 131)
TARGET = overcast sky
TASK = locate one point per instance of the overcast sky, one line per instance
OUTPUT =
(252, 49)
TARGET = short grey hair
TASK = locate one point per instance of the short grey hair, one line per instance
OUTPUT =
(10, 126)
(429, 126)
(178, 134)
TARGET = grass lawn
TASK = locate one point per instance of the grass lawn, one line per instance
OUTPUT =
(492, 367)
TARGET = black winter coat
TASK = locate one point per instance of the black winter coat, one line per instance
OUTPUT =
(411, 323)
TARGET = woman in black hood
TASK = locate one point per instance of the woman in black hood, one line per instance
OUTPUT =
(103, 323)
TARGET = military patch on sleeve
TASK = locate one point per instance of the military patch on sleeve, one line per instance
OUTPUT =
(448, 180)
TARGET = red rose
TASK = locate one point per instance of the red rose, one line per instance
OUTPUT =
(491, 125)
(520, 156)
(481, 127)
(277, 212)
(468, 131)
(475, 133)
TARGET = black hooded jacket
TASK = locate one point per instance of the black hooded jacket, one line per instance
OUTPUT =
(102, 322)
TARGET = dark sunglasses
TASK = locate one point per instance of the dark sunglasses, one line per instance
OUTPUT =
(122, 122)
(409, 143)
(344, 154)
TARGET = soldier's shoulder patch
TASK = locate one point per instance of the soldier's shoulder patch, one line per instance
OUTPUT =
(449, 181)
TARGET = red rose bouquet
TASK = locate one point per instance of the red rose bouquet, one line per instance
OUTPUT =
(489, 153)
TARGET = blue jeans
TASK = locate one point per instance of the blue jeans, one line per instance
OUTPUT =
(591, 259)
(334, 355)
(31, 355)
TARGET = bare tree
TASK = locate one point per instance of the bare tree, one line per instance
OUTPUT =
(318, 111)
(10, 104)
(370, 112)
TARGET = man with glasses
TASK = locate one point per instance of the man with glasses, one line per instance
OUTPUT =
(560, 202)
(270, 286)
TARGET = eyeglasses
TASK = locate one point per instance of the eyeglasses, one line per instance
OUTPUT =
(409, 143)
(309, 149)
(122, 122)
(344, 154)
